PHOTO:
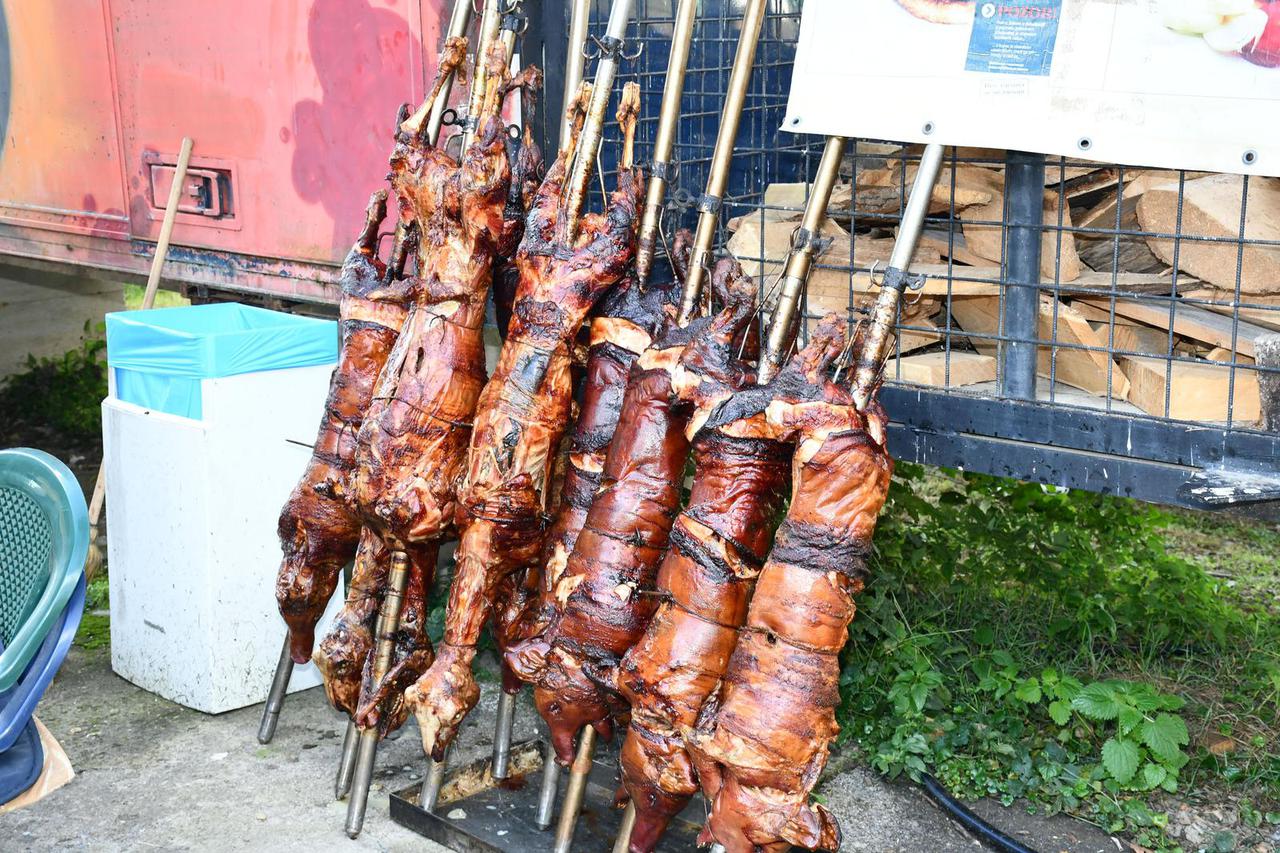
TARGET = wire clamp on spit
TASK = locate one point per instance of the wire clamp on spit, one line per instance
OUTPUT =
(710, 204)
(662, 170)
(514, 21)
(610, 47)
(899, 280)
(803, 239)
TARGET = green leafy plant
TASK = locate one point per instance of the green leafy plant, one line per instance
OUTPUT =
(61, 393)
(1025, 642)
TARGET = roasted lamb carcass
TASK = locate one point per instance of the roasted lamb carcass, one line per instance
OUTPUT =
(602, 590)
(318, 529)
(718, 547)
(761, 740)
(521, 419)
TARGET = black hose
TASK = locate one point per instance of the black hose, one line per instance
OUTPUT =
(976, 826)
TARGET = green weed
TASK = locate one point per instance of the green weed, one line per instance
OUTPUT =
(1020, 641)
(61, 393)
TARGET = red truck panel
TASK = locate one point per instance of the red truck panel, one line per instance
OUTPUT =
(291, 105)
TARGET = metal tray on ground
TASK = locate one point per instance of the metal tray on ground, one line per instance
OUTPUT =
(476, 814)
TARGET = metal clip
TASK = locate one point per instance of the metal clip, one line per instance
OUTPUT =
(803, 238)
(450, 117)
(661, 170)
(610, 47)
(710, 203)
(515, 22)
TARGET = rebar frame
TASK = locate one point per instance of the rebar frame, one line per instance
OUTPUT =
(1148, 453)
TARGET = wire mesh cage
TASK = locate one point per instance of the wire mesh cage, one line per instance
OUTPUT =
(1081, 323)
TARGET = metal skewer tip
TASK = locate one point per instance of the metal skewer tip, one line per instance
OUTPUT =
(347, 763)
(577, 788)
(623, 842)
(502, 734)
(433, 784)
(275, 696)
(547, 793)
(388, 624)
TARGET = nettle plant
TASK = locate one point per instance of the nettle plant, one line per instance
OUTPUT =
(1145, 748)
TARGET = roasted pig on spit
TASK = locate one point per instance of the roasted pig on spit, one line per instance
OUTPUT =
(347, 650)
(602, 589)
(319, 531)
(761, 739)
(621, 328)
(521, 419)
(412, 444)
(527, 167)
(718, 547)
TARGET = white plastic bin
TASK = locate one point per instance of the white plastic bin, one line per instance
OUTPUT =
(191, 513)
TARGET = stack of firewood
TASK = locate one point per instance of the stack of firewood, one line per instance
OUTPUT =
(1127, 312)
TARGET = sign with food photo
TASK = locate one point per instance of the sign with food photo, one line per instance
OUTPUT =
(1169, 83)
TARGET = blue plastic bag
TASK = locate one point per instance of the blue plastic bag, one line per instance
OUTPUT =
(160, 356)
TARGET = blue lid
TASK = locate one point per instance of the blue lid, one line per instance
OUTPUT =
(224, 339)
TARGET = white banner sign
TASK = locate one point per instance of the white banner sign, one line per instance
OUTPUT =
(1189, 84)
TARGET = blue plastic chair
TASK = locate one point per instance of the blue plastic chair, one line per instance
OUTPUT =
(44, 538)
(18, 704)
(21, 766)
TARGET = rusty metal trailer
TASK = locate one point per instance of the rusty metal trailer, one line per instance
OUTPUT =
(290, 104)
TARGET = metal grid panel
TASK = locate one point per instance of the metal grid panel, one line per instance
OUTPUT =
(1138, 322)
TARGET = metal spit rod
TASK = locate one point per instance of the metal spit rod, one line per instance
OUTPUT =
(347, 764)
(490, 21)
(664, 140)
(434, 782)
(876, 344)
(718, 179)
(592, 132)
(458, 23)
(575, 61)
(502, 734)
(547, 794)
(800, 260)
(275, 698)
(622, 843)
(573, 794)
(388, 624)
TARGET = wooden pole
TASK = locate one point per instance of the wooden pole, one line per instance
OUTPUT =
(93, 560)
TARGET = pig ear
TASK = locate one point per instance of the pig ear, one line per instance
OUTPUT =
(374, 214)
(406, 243)
(813, 828)
(681, 250)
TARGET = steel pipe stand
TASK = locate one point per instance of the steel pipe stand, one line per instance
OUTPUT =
(477, 814)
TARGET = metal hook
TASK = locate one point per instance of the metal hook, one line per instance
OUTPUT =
(590, 54)
(871, 275)
(632, 57)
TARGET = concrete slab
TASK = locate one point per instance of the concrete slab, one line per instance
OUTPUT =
(154, 775)
(44, 314)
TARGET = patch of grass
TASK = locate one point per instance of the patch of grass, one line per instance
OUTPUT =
(1020, 641)
(60, 394)
(133, 294)
(95, 630)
